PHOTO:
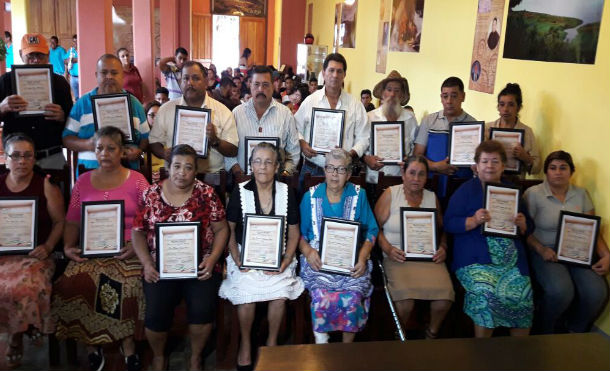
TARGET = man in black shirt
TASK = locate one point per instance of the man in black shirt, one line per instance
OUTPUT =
(45, 129)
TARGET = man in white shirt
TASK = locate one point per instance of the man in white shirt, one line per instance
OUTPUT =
(262, 116)
(221, 130)
(356, 130)
(394, 93)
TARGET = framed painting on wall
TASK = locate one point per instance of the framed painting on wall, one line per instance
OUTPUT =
(248, 8)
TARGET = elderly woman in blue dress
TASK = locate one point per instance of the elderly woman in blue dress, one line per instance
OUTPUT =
(492, 270)
(338, 302)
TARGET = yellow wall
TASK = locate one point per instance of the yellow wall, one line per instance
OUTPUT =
(565, 104)
(19, 21)
(277, 29)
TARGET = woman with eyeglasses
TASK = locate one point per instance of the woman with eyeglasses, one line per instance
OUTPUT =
(262, 195)
(25, 280)
(338, 302)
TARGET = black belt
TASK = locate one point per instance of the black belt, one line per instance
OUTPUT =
(43, 153)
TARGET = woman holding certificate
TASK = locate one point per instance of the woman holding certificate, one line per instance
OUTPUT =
(244, 287)
(410, 280)
(25, 280)
(339, 301)
(99, 300)
(491, 268)
(518, 138)
(179, 235)
(583, 289)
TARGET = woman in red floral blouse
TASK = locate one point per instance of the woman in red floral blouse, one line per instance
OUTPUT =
(181, 198)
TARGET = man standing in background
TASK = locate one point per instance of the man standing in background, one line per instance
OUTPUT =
(57, 54)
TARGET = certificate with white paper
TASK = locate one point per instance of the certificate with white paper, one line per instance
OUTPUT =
(326, 129)
(577, 237)
(339, 245)
(34, 84)
(18, 224)
(387, 141)
(502, 202)
(263, 242)
(178, 252)
(114, 110)
(463, 141)
(252, 142)
(102, 228)
(509, 138)
(190, 128)
(418, 233)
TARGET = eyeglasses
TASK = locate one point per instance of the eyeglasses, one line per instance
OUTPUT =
(15, 156)
(331, 169)
(260, 162)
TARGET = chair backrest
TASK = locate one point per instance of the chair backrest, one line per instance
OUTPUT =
(526, 183)
(62, 178)
(216, 180)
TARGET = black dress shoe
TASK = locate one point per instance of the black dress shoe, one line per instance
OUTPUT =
(249, 367)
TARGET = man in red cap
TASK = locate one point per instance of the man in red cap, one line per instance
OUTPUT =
(44, 129)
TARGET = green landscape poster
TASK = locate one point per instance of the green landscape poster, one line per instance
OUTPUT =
(553, 30)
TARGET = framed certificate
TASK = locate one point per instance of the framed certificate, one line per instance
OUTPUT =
(114, 110)
(252, 142)
(387, 141)
(502, 202)
(19, 224)
(509, 139)
(102, 227)
(418, 233)
(178, 249)
(326, 129)
(464, 139)
(263, 242)
(189, 128)
(35, 84)
(339, 245)
(576, 238)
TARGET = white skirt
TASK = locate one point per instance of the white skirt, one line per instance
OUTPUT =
(255, 286)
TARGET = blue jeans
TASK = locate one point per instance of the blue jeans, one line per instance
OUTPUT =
(565, 287)
(74, 87)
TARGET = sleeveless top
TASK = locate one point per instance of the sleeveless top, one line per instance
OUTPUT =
(35, 189)
(391, 228)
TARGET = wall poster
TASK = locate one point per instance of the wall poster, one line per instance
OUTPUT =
(485, 49)
(407, 22)
(553, 30)
(347, 30)
(383, 35)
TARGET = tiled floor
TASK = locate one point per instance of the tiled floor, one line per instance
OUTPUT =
(36, 358)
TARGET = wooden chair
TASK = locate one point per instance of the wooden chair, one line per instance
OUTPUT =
(526, 183)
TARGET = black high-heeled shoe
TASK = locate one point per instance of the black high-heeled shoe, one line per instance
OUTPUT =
(248, 367)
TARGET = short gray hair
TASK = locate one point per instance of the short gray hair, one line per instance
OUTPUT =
(339, 154)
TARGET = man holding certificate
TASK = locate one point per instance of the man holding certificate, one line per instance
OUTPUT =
(220, 129)
(44, 129)
(386, 147)
(262, 116)
(79, 131)
(433, 135)
(355, 132)
(581, 288)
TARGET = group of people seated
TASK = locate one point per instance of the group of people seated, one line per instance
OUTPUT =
(121, 299)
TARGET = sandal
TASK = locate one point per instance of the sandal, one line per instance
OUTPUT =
(14, 355)
(430, 335)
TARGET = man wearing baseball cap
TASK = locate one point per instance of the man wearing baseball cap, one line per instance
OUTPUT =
(46, 129)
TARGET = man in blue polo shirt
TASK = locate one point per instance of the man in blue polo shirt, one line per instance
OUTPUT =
(57, 55)
(79, 131)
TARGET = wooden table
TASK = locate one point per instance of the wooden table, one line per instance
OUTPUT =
(542, 352)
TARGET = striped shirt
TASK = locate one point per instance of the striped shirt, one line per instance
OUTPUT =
(357, 128)
(172, 79)
(277, 121)
(80, 124)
